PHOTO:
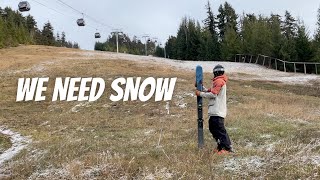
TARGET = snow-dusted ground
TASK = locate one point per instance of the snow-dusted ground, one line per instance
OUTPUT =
(18, 141)
(242, 71)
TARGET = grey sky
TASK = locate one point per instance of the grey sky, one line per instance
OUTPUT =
(159, 18)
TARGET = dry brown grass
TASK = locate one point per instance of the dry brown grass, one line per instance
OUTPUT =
(4, 143)
(269, 124)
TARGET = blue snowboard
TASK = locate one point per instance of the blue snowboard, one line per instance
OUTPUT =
(199, 80)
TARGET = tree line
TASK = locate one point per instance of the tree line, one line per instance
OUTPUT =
(222, 36)
(16, 29)
(130, 46)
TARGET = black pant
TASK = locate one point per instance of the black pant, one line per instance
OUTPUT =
(219, 133)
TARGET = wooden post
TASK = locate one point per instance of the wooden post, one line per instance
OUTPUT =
(264, 59)
(270, 59)
(305, 68)
(295, 69)
(257, 58)
(284, 66)
(276, 64)
(235, 58)
(316, 68)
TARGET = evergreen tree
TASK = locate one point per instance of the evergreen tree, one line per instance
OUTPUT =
(316, 43)
(100, 46)
(31, 23)
(263, 37)
(207, 49)
(248, 34)
(231, 45)
(209, 22)
(303, 45)
(221, 21)
(58, 39)
(182, 46)
(289, 28)
(75, 46)
(317, 34)
(194, 33)
(2, 33)
(47, 35)
(231, 17)
(227, 18)
(63, 39)
(211, 44)
(170, 46)
(276, 36)
(159, 52)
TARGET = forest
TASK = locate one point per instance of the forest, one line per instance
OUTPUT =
(16, 29)
(226, 34)
(223, 35)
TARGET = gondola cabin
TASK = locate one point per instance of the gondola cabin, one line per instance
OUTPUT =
(81, 22)
(3, 12)
(24, 6)
(97, 35)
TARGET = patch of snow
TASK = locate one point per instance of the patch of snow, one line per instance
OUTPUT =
(35, 68)
(317, 112)
(270, 115)
(314, 160)
(93, 172)
(250, 145)
(180, 102)
(266, 136)
(232, 129)
(237, 70)
(190, 94)
(149, 132)
(299, 121)
(162, 173)
(249, 164)
(59, 173)
(184, 105)
(44, 124)
(77, 107)
(268, 147)
(242, 71)
(189, 130)
(18, 142)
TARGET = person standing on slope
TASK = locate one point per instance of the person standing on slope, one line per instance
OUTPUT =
(217, 96)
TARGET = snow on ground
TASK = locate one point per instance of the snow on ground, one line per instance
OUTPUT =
(240, 71)
(77, 107)
(244, 165)
(18, 141)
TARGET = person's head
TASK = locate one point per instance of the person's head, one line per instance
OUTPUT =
(218, 70)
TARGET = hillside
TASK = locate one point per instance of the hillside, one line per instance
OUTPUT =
(273, 121)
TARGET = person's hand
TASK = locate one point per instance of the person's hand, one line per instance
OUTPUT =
(198, 93)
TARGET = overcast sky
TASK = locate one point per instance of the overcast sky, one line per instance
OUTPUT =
(157, 18)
